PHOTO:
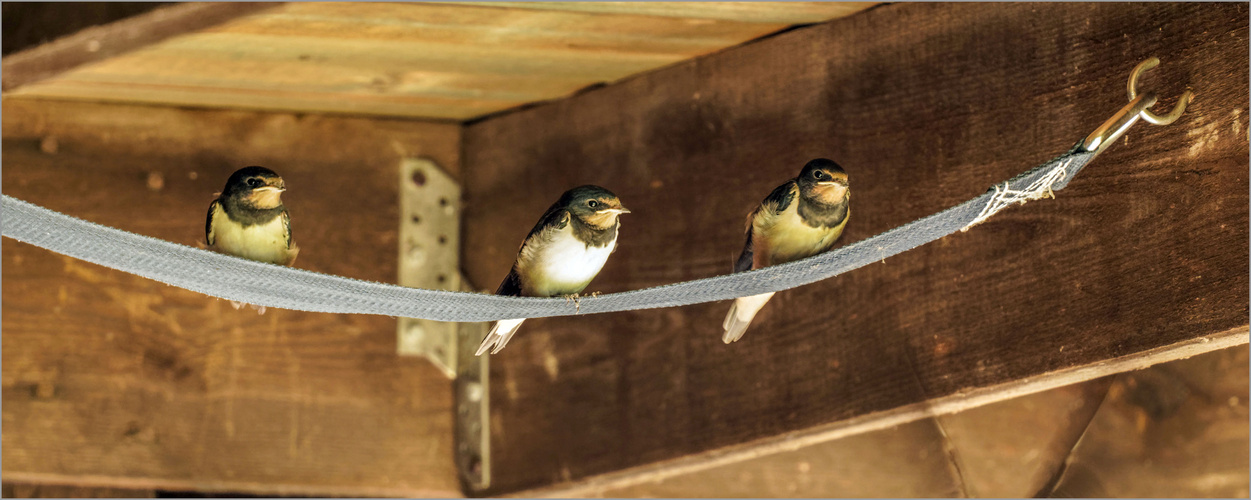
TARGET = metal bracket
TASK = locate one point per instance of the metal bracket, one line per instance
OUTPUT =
(429, 242)
(429, 256)
(473, 410)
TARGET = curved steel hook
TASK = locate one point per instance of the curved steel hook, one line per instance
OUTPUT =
(1115, 127)
(1147, 114)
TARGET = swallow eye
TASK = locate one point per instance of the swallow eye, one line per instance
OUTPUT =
(592, 204)
(254, 182)
(818, 175)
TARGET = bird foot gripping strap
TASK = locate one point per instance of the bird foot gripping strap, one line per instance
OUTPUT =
(269, 285)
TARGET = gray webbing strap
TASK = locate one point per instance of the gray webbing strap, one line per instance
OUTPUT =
(270, 285)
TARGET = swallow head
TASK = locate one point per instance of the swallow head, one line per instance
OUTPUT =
(594, 206)
(824, 181)
(255, 187)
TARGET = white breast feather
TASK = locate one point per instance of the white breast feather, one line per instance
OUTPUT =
(563, 265)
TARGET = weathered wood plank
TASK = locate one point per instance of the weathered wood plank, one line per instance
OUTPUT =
(420, 60)
(508, 30)
(102, 42)
(265, 98)
(1189, 415)
(911, 455)
(114, 380)
(28, 24)
(1177, 430)
(977, 453)
(21, 490)
(750, 12)
(1144, 250)
(946, 407)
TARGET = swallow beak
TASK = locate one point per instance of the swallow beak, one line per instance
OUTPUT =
(268, 196)
(832, 183)
(619, 210)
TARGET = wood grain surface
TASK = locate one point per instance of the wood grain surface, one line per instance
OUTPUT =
(1174, 430)
(752, 12)
(23, 490)
(979, 453)
(451, 61)
(97, 43)
(114, 380)
(1145, 249)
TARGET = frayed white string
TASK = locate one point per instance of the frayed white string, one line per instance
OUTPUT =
(1005, 195)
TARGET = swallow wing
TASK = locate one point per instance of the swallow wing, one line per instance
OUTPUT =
(773, 205)
(555, 219)
(745, 258)
(286, 227)
(511, 285)
(761, 219)
(209, 237)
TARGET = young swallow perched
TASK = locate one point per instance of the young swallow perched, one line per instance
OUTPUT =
(248, 220)
(562, 254)
(799, 219)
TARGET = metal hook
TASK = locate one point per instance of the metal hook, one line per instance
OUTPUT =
(1115, 127)
(1132, 87)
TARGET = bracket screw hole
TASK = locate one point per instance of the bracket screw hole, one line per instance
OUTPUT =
(419, 178)
(473, 392)
(475, 466)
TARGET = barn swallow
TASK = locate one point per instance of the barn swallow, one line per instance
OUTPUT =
(248, 220)
(562, 254)
(799, 219)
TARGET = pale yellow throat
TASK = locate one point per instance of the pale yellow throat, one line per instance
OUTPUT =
(265, 197)
(603, 219)
(831, 192)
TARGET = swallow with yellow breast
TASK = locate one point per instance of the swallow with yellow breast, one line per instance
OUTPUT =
(562, 254)
(799, 219)
(248, 219)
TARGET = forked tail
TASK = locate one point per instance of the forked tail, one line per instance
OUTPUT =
(501, 332)
(741, 314)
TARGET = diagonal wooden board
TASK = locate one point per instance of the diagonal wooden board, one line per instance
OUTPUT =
(606, 484)
(1146, 249)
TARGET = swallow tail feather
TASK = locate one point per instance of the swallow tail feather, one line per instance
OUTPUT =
(741, 314)
(501, 332)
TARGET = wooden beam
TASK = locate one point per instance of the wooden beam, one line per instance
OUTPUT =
(441, 61)
(114, 380)
(1171, 431)
(1144, 250)
(604, 485)
(28, 24)
(749, 12)
(1187, 416)
(23, 490)
(98, 43)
